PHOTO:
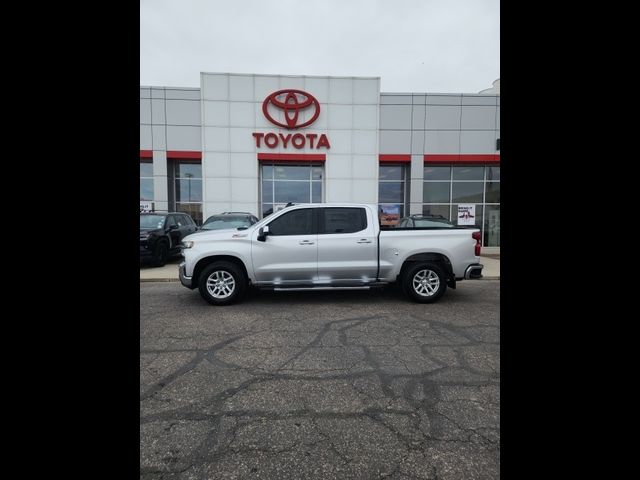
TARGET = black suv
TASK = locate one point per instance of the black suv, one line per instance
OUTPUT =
(229, 220)
(161, 234)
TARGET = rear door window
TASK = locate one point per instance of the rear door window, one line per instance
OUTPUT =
(343, 220)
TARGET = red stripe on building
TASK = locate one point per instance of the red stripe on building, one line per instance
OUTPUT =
(395, 158)
(292, 157)
(146, 153)
(184, 154)
(462, 158)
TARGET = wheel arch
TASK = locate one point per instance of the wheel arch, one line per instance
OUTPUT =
(431, 257)
(206, 261)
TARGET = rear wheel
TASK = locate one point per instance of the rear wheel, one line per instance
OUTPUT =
(424, 282)
(160, 254)
(222, 283)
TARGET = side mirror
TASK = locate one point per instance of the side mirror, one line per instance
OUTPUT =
(173, 227)
(262, 233)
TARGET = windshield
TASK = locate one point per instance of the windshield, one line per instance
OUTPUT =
(433, 222)
(151, 221)
(221, 223)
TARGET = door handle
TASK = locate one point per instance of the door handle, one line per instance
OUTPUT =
(306, 242)
(364, 240)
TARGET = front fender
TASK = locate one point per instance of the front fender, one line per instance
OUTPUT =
(230, 248)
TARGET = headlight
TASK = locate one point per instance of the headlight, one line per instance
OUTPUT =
(187, 244)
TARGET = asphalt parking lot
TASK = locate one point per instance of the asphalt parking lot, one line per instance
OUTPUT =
(320, 385)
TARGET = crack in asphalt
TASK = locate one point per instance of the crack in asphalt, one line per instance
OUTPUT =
(184, 369)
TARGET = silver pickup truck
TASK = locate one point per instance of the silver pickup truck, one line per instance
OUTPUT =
(328, 246)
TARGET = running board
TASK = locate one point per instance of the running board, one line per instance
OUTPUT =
(308, 289)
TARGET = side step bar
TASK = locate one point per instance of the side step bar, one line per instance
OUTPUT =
(323, 288)
(307, 289)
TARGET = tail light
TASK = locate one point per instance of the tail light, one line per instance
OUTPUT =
(477, 238)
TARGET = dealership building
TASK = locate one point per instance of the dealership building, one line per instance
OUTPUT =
(253, 143)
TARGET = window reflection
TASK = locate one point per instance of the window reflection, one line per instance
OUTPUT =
(193, 209)
(437, 173)
(290, 172)
(188, 170)
(437, 211)
(468, 173)
(295, 192)
(146, 169)
(316, 192)
(188, 190)
(492, 226)
(267, 191)
(436, 192)
(146, 189)
(146, 180)
(391, 192)
(467, 192)
(391, 172)
(493, 192)
(493, 173)
(474, 184)
(282, 184)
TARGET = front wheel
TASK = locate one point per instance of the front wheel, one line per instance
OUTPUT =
(222, 283)
(424, 282)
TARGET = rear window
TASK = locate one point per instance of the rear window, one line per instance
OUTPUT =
(343, 220)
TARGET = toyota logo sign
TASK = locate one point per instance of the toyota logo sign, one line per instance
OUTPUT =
(291, 102)
(282, 108)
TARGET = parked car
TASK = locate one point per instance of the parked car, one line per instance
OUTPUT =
(161, 235)
(328, 246)
(229, 220)
(424, 221)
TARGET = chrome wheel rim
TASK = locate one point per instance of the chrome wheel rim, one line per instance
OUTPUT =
(221, 284)
(426, 282)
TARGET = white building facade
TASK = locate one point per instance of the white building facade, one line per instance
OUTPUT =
(253, 143)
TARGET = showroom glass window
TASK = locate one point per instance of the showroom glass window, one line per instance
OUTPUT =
(188, 188)
(146, 179)
(392, 193)
(282, 184)
(446, 186)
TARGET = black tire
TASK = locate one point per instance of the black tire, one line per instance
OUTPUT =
(160, 254)
(420, 279)
(222, 271)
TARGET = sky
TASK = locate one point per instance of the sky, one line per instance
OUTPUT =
(439, 46)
